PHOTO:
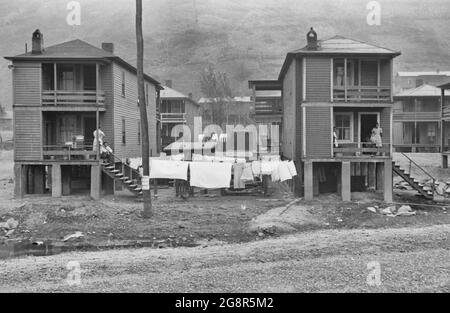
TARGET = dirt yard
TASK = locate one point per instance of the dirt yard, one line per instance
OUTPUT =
(202, 220)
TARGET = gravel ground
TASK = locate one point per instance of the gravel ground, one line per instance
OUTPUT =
(411, 260)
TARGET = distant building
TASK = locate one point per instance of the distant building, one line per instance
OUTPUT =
(6, 120)
(175, 109)
(417, 119)
(408, 80)
(445, 122)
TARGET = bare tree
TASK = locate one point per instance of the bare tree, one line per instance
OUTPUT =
(143, 109)
(216, 86)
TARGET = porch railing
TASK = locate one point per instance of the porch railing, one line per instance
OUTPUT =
(173, 117)
(362, 94)
(72, 98)
(365, 149)
(69, 152)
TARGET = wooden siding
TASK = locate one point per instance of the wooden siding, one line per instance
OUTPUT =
(27, 84)
(27, 134)
(298, 111)
(318, 79)
(318, 132)
(127, 108)
(288, 132)
(107, 117)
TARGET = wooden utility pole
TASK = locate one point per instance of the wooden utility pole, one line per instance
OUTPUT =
(143, 112)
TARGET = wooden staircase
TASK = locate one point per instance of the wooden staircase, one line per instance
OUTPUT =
(425, 191)
(125, 175)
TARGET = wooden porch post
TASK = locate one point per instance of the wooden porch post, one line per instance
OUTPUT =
(346, 181)
(345, 79)
(97, 113)
(309, 189)
(55, 82)
(388, 181)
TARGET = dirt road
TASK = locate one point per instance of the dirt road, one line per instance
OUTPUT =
(409, 259)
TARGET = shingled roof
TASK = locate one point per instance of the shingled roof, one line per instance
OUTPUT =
(422, 91)
(172, 94)
(79, 50)
(338, 45)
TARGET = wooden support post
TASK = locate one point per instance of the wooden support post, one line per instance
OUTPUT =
(309, 189)
(95, 182)
(19, 180)
(345, 182)
(388, 181)
(155, 187)
(55, 82)
(56, 180)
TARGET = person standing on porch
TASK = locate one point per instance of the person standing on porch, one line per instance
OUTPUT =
(335, 138)
(99, 135)
(377, 132)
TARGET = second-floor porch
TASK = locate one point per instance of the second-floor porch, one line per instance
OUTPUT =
(362, 80)
(71, 85)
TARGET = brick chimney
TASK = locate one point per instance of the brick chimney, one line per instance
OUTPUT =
(37, 42)
(108, 46)
(311, 38)
(169, 83)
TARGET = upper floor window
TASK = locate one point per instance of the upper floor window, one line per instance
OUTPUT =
(369, 73)
(352, 72)
(123, 83)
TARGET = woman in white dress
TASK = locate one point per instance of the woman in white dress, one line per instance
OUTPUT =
(377, 132)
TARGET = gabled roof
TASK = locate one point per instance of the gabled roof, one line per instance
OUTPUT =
(424, 73)
(79, 50)
(445, 86)
(70, 49)
(422, 91)
(234, 99)
(171, 94)
(336, 46)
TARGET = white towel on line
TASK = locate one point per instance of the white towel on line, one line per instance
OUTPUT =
(168, 169)
(283, 171)
(292, 168)
(210, 175)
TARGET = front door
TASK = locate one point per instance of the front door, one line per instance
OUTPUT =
(367, 122)
(89, 128)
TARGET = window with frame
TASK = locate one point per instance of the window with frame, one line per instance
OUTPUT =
(343, 121)
(123, 132)
(123, 83)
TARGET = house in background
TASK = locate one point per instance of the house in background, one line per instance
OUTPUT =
(6, 120)
(175, 109)
(409, 80)
(62, 94)
(417, 119)
(342, 83)
(267, 108)
(445, 123)
(232, 110)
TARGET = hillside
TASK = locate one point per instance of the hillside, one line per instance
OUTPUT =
(247, 39)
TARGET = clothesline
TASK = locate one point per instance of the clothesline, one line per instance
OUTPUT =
(212, 175)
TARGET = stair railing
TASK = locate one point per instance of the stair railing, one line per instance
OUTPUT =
(411, 162)
(132, 173)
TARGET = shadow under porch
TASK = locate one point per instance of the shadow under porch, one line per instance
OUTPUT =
(346, 176)
(61, 178)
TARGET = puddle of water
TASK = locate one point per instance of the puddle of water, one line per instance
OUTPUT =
(14, 249)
